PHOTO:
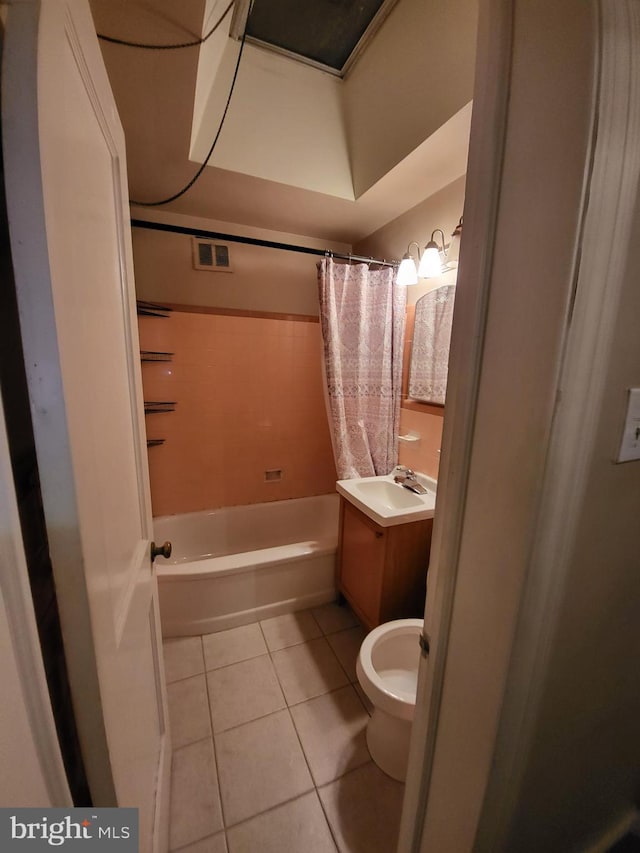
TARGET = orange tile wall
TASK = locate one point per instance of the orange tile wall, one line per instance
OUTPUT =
(249, 398)
(422, 455)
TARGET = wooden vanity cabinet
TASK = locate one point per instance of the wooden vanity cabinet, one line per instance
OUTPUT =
(382, 571)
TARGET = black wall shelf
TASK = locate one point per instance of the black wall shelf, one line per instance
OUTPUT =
(157, 407)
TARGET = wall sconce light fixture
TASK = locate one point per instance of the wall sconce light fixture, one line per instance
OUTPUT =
(408, 271)
(436, 258)
(453, 253)
(432, 259)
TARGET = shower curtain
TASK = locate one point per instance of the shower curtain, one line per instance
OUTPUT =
(362, 315)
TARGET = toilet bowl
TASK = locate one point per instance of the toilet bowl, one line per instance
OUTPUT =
(387, 669)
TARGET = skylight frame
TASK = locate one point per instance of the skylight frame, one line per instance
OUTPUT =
(241, 11)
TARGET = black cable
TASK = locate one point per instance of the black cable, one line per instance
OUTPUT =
(213, 144)
(168, 46)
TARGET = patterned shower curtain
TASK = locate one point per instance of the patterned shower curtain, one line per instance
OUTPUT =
(362, 314)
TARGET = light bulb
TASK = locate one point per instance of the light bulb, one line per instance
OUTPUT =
(431, 261)
(407, 272)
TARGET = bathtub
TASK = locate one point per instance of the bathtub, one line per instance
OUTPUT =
(236, 565)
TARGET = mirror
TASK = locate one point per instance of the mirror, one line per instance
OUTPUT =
(429, 363)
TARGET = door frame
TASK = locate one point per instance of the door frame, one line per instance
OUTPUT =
(604, 218)
(41, 754)
(482, 191)
(21, 136)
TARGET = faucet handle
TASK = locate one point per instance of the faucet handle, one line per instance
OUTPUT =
(402, 469)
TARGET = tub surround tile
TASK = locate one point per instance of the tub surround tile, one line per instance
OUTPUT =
(188, 710)
(363, 809)
(243, 692)
(261, 765)
(274, 366)
(308, 670)
(182, 657)
(213, 844)
(332, 732)
(299, 825)
(195, 801)
(334, 617)
(280, 632)
(232, 646)
(346, 645)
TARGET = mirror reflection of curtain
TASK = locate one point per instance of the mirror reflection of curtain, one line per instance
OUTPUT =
(362, 314)
(430, 349)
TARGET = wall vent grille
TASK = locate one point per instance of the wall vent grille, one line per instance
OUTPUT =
(212, 256)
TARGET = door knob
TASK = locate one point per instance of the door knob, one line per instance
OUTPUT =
(160, 550)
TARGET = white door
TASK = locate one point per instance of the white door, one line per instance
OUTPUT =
(67, 199)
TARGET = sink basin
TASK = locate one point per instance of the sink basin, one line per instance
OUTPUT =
(388, 503)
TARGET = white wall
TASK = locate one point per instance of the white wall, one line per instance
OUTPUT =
(441, 210)
(285, 123)
(583, 769)
(263, 279)
(417, 72)
(586, 749)
(294, 124)
(209, 57)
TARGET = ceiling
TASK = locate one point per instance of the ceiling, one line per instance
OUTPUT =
(154, 92)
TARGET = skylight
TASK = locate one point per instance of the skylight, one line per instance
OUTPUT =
(326, 33)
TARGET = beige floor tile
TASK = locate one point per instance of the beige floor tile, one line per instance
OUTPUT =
(364, 699)
(308, 670)
(332, 733)
(243, 692)
(182, 657)
(195, 802)
(298, 826)
(212, 844)
(290, 629)
(233, 646)
(346, 645)
(363, 809)
(334, 617)
(261, 765)
(188, 710)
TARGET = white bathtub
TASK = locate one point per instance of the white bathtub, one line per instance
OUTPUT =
(236, 565)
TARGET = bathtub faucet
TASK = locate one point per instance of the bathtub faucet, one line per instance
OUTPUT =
(407, 478)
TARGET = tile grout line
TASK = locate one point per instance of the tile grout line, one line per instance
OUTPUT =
(304, 754)
(213, 744)
(287, 802)
(212, 737)
(185, 678)
(328, 822)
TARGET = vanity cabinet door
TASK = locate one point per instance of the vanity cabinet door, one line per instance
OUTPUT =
(382, 571)
(362, 563)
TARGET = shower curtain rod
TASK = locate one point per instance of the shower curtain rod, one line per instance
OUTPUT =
(255, 241)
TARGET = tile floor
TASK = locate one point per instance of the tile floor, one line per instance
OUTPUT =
(269, 752)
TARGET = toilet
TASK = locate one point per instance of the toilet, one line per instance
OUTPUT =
(387, 669)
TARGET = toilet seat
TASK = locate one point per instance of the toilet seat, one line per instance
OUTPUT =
(387, 666)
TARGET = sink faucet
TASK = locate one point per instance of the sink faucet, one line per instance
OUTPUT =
(407, 478)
